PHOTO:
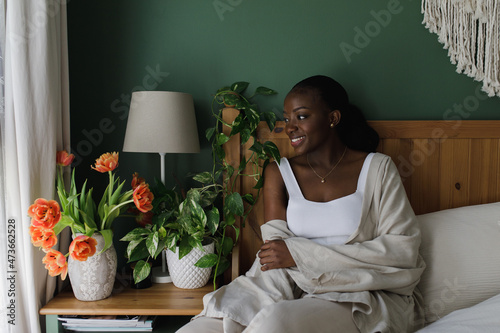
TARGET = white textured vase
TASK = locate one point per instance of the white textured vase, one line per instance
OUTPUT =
(93, 279)
(184, 273)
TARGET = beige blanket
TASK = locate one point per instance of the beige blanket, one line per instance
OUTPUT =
(376, 270)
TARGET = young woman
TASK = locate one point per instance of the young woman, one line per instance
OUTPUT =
(341, 241)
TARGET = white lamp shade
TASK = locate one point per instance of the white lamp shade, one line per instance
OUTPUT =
(161, 122)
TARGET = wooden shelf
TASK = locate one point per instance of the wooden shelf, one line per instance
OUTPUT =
(163, 299)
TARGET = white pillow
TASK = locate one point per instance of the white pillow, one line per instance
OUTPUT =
(483, 317)
(461, 248)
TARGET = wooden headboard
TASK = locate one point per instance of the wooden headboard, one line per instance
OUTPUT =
(443, 164)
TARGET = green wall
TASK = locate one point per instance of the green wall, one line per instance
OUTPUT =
(392, 67)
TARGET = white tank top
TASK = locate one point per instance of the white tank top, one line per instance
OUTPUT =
(325, 223)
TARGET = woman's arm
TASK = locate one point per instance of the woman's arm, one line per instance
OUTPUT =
(274, 254)
(274, 192)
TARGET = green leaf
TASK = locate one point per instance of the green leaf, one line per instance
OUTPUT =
(208, 198)
(161, 246)
(237, 125)
(270, 118)
(152, 243)
(260, 183)
(89, 207)
(243, 164)
(171, 241)
(209, 133)
(265, 91)
(137, 233)
(253, 118)
(89, 220)
(256, 147)
(116, 194)
(230, 99)
(219, 152)
(82, 196)
(223, 266)
(62, 198)
(230, 219)
(197, 212)
(196, 239)
(245, 135)
(248, 198)
(141, 271)
(64, 222)
(208, 260)
(239, 87)
(227, 246)
(108, 238)
(234, 204)
(213, 218)
(132, 245)
(139, 252)
(237, 232)
(184, 247)
(221, 139)
(272, 150)
(204, 177)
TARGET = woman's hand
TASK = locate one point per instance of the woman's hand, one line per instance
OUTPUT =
(275, 254)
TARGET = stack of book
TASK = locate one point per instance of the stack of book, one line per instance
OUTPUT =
(108, 323)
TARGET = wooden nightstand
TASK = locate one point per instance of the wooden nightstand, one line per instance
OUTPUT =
(160, 299)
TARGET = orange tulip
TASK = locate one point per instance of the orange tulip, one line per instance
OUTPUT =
(46, 238)
(55, 262)
(106, 162)
(44, 213)
(143, 198)
(82, 247)
(63, 158)
(136, 180)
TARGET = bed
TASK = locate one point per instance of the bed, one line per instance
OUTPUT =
(451, 173)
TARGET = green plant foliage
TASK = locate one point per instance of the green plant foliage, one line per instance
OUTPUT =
(188, 222)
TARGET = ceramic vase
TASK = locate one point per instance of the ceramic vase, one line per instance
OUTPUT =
(184, 273)
(93, 279)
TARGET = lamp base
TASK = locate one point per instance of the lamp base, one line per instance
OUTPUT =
(159, 276)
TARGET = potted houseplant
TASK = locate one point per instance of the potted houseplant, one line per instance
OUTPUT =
(183, 223)
(92, 257)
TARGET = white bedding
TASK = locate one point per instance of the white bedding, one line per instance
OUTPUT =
(482, 318)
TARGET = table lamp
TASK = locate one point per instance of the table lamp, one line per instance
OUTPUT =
(161, 122)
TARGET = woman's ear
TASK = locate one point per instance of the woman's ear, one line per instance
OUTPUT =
(335, 116)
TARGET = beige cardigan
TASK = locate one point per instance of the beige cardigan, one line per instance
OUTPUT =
(377, 269)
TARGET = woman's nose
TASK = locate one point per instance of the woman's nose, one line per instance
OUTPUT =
(290, 127)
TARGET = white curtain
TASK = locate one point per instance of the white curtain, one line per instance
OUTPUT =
(34, 125)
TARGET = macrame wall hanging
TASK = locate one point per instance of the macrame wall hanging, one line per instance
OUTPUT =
(470, 30)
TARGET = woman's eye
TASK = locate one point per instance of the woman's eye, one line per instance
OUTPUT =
(301, 117)
(286, 120)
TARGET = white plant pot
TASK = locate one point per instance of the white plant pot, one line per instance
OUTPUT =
(184, 273)
(93, 279)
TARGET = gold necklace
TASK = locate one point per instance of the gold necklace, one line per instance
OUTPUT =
(328, 174)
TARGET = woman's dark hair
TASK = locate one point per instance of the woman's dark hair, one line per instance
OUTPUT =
(353, 129)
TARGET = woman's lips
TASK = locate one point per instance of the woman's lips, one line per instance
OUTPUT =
(297, 141)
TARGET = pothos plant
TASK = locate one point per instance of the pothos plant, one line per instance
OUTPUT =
(209, 210)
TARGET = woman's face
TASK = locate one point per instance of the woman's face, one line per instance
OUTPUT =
(307, 121)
